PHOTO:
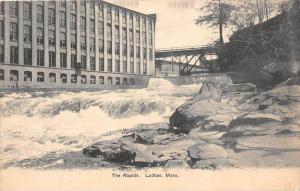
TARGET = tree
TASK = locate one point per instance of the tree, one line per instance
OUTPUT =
(216, 13)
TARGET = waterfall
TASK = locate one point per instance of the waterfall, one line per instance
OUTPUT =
(160, 83)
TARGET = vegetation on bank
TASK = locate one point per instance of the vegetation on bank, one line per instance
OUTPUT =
(263, 50)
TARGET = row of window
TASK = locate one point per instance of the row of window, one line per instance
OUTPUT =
(27, 12)
(40, 77)
(27, 52)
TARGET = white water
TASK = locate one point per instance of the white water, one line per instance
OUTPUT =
(33, 124)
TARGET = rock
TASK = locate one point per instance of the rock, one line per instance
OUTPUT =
(212, 164)
(204, 151)
(115, 151)
(211, 90)
(291, 82)
(196, 113)
(279, 72)
(242, 87)
(176, 164)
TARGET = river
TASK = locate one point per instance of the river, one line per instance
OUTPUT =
(34, 124)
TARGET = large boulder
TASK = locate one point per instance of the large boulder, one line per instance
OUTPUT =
(196, 113)
(115, 151)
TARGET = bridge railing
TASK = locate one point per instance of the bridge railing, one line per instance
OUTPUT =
(186, 48)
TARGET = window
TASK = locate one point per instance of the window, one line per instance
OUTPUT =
(124, 34)
(73, 22)
(82, 23)
(124, 20)
(144, 24)
(52, 60)
(73, 5)
(144, 38)
(130, 35)
(131, 81)
(150, 54)
(52, 3)
(14, 75)
(27, 10)
(63, 19)
(101, 79)
(83, 62)
(14, 55)
(131, 67)
(117, 32)
(131, 51)
(51, 38)
(124, 50)
(116, 15)
(73, 78)
(27, 56)
(40, 36)
(109, 31)
(82, 43)
(137, 21)
(64, 78)
(40, 77)
(109, 65)
(92, 63)
(144, 53)
(125, 81)
(101, 10)
(117, 48)
(27, 33)
(1, 74)
(40, 14)
(131, 20)
(138, 36)
(101, 64)
(1, 53)
(101, 30)
(93, 80)
(63, 4)
(73, 41)
(110, 81)
(52, 77)
(63, 42)
(117, 81)
(138, 67)
(92, 44)
(13, 31)
(51, 17)
(83, 79)
(92, 8)
(82, 6)
(109, 13)
(150, 39)
(73, 60)
(109, 47)
(27, 76)
(92, 26)
(101, 46)
(13, 8)
(144, 68)
(40, 57)
(63, 60)
(1, 29)
(1, 8)
(117, 65)
(124, 66)
(150, 26)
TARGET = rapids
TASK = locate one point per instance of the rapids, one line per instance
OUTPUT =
(34, 124)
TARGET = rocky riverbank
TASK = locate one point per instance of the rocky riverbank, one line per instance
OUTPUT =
(230, 126)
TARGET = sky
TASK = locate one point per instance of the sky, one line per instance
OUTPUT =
(175, 25)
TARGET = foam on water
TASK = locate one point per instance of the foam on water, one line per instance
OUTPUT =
(34, 124)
